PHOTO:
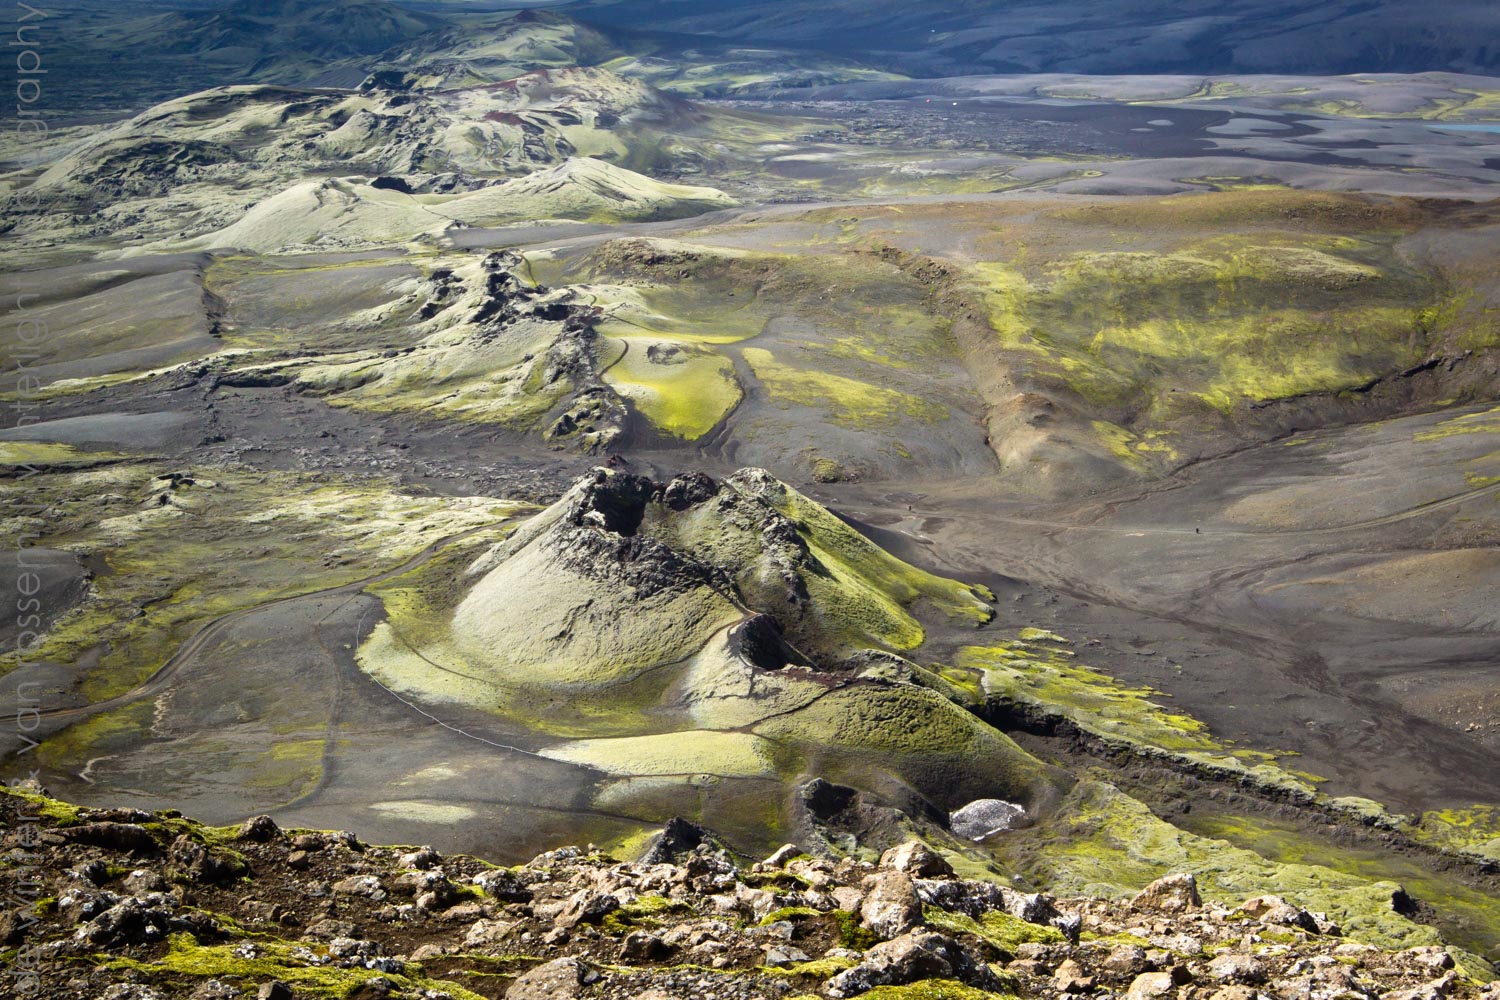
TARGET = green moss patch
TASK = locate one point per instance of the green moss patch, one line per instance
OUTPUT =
(50, 455)
(1465, 914)
(1475, 830)
(849, 402)
(188, 960)
(1001, 930)
(1043, 676)
(1484, 422)
(1105, 843)
(683, 390)
(218, 539)
(866, 734)
(729, 755)
(867, 592)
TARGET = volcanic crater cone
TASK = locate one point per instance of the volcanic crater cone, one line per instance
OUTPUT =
(731, 628)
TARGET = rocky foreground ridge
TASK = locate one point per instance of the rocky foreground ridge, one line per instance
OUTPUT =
(123, 904)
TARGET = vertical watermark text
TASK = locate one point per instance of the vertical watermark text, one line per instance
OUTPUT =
(24, 346)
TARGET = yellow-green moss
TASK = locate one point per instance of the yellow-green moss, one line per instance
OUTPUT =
(185, 957)
(235, 539)
(853, 934)
(1044, 677)
(60, 813)
(701, 752)
(1102, 842)
(1003, 931)
(1484, 422)
(47, 454)
(1465, 915)
(1210, 302)
(1475, 830)
(849, 402)
(643, 911)
(684, 396)
(106, 733)
(875, 577)
(818, 968)
(293, 765)
(787, 913)
(866, 733)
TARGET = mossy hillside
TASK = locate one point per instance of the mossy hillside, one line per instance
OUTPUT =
(1281, 211)
(500, 380)
(863, 733)
(1475, 830)
(24, 455)
(1101, 841)
(724, 74)
(414, 652)
(567, 624)
(456, 615)
(685, 391)
(647, 678)
(321, 302)
(1172, 320)
(537, 620)
(876, 575)
(1042, 676)
(726, 755)
(703, 310)
(708, 287)
(1464, 913)
(218, 540)
(859, 594)
(1040, 670)
(827, 333)
(1222, 324)
(848, 402)
(1368, 96)
(581, 189)
(719, 689)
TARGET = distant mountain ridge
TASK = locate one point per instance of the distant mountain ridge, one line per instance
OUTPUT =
(742, 46)
(928, 38)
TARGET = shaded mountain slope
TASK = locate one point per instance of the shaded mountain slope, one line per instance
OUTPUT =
(1102, 36)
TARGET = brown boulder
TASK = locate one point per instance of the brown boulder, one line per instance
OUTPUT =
(1168, 894)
